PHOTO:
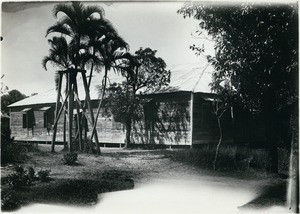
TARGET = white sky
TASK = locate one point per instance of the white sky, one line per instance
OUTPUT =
(154, 25)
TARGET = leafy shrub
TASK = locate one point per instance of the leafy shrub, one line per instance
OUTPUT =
(9, 200)
(89, 147)
(31, 173)
(70, 158)
(11, 152)
(18, 180)
(44, 175)
(21, 178)
(19, 169)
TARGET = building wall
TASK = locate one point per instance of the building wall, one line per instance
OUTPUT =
(16, 126)
(108, 130)
(164, 120)
(36, 132)
(205, 124)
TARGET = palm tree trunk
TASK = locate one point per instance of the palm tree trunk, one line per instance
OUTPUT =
(65, 120)
(79, 124)
(70, 111)
(64, 131)
(100, 104)
(56, 112)
(92, 69)
(90, 110)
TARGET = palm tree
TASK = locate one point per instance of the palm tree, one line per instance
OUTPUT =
(59, 56)
(112, 50)
(78, 22)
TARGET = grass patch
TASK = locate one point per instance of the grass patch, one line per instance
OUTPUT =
(229, 158)
(67, 191)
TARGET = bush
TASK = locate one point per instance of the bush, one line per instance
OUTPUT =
(18, 180)
(9, 200)
(44, 175)
(19, 169)
(89, 147)
(70, 158)
(11, 152)
(30, 173)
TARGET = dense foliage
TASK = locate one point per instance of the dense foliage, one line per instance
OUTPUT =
(9, 98)
(145, 72)
(256, 49)
(256, 59)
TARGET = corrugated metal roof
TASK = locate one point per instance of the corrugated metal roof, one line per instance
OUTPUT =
(189, 77)
(51, 95)
(185, 77)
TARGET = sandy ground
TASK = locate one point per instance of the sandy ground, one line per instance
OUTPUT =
(160, 184)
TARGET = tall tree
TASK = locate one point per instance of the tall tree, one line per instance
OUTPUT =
(112, 51)
(145, 72)
(257, 54)
(60, 56)
(77, 23)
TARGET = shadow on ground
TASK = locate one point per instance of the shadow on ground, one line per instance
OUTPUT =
(73, 191)
(274, 195)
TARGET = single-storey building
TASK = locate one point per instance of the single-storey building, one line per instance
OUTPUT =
(179, 114)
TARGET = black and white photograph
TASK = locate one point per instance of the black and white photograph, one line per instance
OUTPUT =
(149, 107)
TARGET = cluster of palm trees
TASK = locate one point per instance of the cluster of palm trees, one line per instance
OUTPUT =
(83, 40)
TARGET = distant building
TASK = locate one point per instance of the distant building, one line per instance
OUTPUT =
(180, 114)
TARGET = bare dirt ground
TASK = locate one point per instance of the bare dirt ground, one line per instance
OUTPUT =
(147, 175)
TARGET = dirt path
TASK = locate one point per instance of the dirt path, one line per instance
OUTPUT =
(160, 184)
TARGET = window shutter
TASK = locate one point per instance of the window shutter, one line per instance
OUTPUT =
(24, 121)
(45, 119)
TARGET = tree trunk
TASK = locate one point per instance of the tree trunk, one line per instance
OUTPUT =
(219, 143)
(92, 69)
(65, 120)
(101, 99)
(79, 124)
(128, 133)
(56, 111)
(64, 131)
(70, 112)
(91, 111)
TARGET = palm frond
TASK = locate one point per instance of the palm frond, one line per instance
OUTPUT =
(45, 60)
(90, 10)
(59, 28)
(67, 9)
